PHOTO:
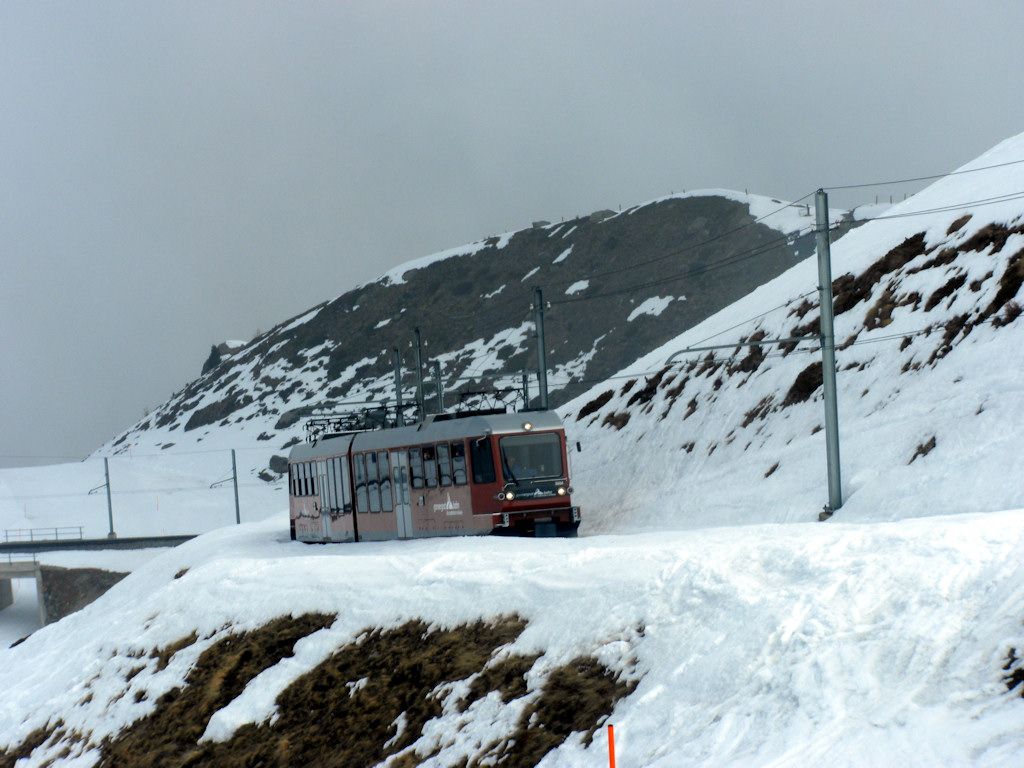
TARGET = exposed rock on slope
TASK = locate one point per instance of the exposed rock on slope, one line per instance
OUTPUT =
(472, 304)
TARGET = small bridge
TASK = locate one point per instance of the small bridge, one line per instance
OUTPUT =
(63, 590)
(19, 567)
(32, 546)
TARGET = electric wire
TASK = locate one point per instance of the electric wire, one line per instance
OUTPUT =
(755, 317)
(732, 260)
(1008, 197)
(921, 178)
(687, 248)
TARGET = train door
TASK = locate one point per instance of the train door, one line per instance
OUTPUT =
(400, 483)
(323, 485)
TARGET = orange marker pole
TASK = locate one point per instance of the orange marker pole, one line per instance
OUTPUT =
(611, 746)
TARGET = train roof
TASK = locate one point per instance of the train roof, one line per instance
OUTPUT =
(432, 429)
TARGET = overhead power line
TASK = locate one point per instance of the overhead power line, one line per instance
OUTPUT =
(686, 248)
(1008, 197)
(733, 259)
(921, 178)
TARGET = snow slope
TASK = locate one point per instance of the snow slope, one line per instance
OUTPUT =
(930, 409)
(756, 637)
(786, 645)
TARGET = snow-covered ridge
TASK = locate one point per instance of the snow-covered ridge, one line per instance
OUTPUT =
(927, 305)
(782, 215)
(331, 354)
(769, 645)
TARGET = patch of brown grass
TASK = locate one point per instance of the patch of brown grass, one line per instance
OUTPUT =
(958, 224)
(164, 655)
(322, 722)
(617, 420)
(1014, 671)
(595, 405)
(507, 676)
(28, 745)
(848, 292)
(952, 285)
(805, 385)
(576, 698)
(759, 411)
(646, 393)
(923, 449)
(169, 736)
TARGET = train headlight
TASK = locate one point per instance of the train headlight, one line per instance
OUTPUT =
(561, 490)
(509, 496)
(527, 426)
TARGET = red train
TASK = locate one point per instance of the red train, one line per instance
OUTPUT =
(451, 475)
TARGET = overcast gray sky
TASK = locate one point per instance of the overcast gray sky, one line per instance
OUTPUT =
(173, 174)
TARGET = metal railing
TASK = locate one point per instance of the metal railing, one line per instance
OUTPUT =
(65, 533)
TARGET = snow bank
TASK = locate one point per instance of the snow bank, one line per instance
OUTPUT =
(781, 645)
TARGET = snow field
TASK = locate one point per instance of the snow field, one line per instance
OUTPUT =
(153, 495)
(762, 645)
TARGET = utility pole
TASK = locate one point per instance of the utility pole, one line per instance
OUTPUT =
(526, 390)
(439, 387)
(419, 375)
(110, 506)
(542, 362)
(399, 416)
(234, 478)
(828, 356)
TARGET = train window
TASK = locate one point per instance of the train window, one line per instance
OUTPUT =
(483, 460)
(303, 479)
(291, 480)
(528, 457)
(444, 464)
(362, 501)
(327, 476)
(341, 490)
(430, 466)
(459, 463)
(337, 487)
(387, 504)
(372, 483)
(334, 475)
(416, 467)
(311, 468)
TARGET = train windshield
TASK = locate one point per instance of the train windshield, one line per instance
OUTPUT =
(531, 457)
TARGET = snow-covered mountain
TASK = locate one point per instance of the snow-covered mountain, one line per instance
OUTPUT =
(756, 637)
(472, 304)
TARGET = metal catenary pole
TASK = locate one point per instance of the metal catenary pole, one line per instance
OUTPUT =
(526, 389)
(399, 416)
(234, 479)
(542, 362)
(828, 354)
(419, 374)
(439, 387)
(110, 506)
